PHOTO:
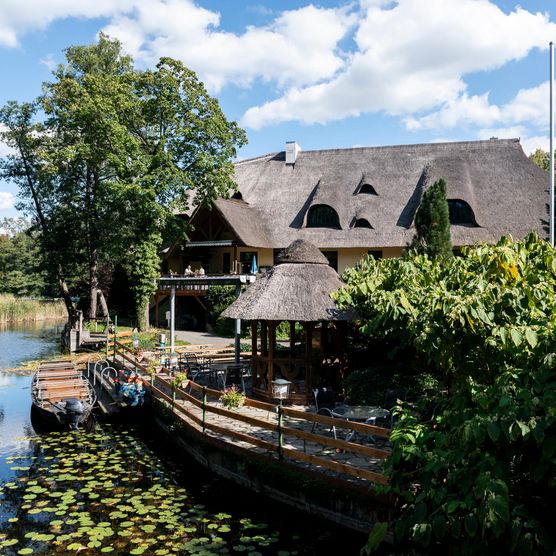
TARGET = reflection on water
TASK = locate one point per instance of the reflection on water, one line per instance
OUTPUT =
(107, 492)
(19, 343)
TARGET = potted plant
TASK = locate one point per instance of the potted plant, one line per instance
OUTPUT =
(232, 397)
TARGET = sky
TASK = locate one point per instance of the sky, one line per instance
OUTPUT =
(327, 74)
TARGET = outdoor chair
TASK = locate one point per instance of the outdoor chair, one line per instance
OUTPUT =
(324, 404)
(234, 374)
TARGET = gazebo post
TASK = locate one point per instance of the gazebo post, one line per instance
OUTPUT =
(271, 342)
(309, 356)
(254, 381)
(264, 338)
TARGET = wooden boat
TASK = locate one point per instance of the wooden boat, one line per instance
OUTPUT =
(62, 395)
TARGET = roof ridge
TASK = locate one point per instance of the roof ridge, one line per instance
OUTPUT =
(390, 147)
(239, 162)
(404, 146)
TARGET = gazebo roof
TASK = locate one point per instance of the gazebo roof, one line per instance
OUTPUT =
(298, 288)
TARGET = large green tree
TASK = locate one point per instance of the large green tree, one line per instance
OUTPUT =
(116, 152)
(480, 477)
(432, 223)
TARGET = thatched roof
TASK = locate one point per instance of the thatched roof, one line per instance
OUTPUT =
(296, 289)
(507, 192)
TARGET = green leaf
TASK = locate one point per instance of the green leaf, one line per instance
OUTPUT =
(493, 431)
(439, 526)
(531, 337)
(376, 536)
(471, 524)
(516, 337)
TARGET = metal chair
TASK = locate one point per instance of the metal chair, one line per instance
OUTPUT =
(324, 404)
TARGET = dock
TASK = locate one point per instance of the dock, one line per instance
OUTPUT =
(258, 443)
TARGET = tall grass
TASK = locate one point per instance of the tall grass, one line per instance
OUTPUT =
(14, 309)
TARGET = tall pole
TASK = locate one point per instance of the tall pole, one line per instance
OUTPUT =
(172, 317)
(551, 226)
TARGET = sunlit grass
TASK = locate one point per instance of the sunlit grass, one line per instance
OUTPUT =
(17, 309)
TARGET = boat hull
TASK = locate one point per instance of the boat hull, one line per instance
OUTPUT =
(62, 397)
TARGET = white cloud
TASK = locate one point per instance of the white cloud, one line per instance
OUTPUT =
(299, 47)
(409, 61)
(17, 17)
(49, 61)
(7, 200)
(529, 106)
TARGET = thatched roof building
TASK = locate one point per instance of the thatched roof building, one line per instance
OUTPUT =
(506, 192)
(296, 289)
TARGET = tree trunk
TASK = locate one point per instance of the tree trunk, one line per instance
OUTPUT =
(65, 291)
(103, 304)
(142, 314)
(93, 284)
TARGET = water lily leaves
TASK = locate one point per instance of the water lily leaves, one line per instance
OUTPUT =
(8, 542)
(107, 549)
(25, 551)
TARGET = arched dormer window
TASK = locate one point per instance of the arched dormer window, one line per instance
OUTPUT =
(367, 189)
(237, 195)
(361, 223)
(461, 213)
(323, 216)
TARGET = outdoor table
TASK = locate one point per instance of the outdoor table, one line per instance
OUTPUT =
(361, 414)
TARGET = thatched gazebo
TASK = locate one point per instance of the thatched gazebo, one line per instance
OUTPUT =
(296, 290)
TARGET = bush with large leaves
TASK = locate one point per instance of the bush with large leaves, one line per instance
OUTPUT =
(481, 477)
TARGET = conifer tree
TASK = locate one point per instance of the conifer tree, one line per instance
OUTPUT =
(432, 223)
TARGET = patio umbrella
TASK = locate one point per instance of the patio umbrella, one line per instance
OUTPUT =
(254, 265)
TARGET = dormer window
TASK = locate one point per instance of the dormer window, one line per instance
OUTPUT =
(366, 189)
(323, 216)
(361, 223)
(461, 213)
(237, 195)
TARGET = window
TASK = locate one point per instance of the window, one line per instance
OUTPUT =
(461, 213)
(237, 195)
(332, 258)
(368, 189)
(245, 261)
(362, 223)
(323, 216)
(375, 253)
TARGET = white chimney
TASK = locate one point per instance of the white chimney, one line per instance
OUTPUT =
(292, 150)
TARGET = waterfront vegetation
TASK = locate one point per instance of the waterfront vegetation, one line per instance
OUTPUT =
(106, 492)
(480, 476)
(20, 309)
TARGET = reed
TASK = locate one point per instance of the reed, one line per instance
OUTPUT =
(19, 309)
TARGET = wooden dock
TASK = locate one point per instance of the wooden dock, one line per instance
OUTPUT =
(292, 438)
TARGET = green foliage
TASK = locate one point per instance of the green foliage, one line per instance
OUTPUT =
(117, 151)
(22, 268)
(16, 309)
(541, 159)
(480, 478)
(217, 299)
(432, 223)
(232, 397)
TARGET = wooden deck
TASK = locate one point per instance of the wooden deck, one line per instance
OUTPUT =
(295, 433)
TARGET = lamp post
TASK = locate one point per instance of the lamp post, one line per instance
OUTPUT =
(551, 190)
(280, 392)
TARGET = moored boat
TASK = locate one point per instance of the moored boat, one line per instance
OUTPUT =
(62, 395)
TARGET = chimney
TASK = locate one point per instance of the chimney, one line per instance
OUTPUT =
(292, 150)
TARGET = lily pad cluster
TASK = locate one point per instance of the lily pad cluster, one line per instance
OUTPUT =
(106, 492)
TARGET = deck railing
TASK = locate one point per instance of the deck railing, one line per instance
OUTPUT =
(193, 407)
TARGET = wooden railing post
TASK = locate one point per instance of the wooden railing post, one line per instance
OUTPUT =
(204, 406)
(280, 433)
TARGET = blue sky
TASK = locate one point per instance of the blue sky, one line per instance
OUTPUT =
(327, 74)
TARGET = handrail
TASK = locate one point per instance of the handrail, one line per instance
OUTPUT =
(181, 397)
(182, 403)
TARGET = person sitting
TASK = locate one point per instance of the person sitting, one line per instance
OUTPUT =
(201, 271)
(188, 271)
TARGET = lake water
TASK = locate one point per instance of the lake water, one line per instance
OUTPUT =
(117, 490)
